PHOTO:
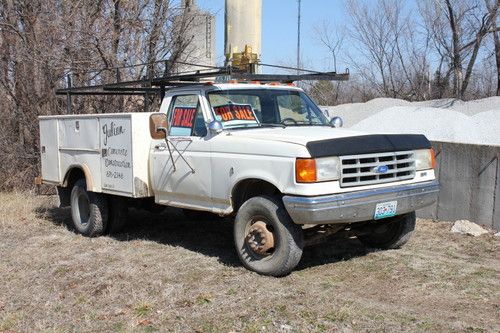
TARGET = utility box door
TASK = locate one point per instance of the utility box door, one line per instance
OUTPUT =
(116, 154)
(49, 149)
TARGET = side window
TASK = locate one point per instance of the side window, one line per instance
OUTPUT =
(185, 116)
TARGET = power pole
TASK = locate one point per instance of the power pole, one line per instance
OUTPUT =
(298, 36)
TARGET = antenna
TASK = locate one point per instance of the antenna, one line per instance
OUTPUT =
(298, 36)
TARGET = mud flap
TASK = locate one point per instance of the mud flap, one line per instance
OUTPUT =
(64, 195)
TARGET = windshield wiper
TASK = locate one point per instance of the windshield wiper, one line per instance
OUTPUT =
(254, 125)
(241, 126)
(272, 125)
(305, 123)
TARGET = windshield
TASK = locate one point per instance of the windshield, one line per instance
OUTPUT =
(241, 108)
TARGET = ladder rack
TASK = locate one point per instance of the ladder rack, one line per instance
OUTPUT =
(157, 85)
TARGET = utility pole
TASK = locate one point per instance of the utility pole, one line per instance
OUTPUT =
(298, 36)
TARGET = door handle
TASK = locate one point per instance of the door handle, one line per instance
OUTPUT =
(160, 147)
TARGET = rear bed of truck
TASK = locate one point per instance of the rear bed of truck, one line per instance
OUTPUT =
(111, 149)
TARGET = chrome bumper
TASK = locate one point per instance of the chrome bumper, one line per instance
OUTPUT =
(359, 206)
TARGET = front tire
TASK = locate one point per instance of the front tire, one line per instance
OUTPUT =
(266, 239)
(89, 210)
(391, 234)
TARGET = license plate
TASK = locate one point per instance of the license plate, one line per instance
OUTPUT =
(385, 209)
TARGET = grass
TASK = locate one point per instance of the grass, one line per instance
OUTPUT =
(143, 309)
(164, 273)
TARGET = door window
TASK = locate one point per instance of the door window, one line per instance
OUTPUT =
(186, 117)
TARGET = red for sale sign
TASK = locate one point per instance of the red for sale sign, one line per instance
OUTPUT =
(232, 111)
(183, 117)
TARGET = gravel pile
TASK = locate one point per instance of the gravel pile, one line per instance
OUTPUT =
(355, 112)
(450, 120)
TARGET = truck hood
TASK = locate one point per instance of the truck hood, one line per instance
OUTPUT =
(295, 134)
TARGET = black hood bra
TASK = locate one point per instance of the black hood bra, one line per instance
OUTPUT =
(367, 144)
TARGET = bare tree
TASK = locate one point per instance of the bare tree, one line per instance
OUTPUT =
(331, 38)
(497, 57)
(389, 53)
(496, 41)
(458, 29)
(43, 41)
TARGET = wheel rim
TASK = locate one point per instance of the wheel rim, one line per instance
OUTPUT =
(83, 208)
(260, 238)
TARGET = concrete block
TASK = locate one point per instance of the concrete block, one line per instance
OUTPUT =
(496, 206)
(482, 198)
(456, 183)
(469, 176)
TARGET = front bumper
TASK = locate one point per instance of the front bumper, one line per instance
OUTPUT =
(359, 206)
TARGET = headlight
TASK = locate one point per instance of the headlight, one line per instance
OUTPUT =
(308, 170)
(327, 168)
(425, 159)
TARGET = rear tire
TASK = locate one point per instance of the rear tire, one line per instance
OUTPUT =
(89, 210)
(391, 234)
(262, 222)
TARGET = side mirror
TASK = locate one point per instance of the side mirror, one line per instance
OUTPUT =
(336, 122)
(215, 127)
(158, 125)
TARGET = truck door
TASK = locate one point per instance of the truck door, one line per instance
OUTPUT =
(183, 181)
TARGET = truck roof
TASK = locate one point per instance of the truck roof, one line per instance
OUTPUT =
(209, 86)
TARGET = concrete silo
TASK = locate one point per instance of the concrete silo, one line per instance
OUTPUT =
(243, 31)
(198, 27)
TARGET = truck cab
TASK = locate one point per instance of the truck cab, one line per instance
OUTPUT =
(264, 155)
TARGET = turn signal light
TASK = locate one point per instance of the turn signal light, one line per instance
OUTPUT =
(305, 170)
(433, 158)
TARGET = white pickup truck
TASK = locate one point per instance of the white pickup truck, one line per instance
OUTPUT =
(263, 153)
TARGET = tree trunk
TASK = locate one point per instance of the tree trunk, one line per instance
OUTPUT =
(497, 54)
(487, 23)
(157, 20)
(470, 66)
(116, 31)
(456, 57)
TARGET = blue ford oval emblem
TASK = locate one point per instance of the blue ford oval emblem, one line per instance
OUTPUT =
(381, 169)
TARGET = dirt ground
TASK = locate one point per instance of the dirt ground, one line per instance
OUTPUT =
(164, 273)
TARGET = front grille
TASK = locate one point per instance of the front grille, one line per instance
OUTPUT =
(358, 170)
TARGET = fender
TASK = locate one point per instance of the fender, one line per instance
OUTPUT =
(86, 171)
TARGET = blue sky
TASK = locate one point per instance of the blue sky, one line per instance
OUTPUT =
(279, 30)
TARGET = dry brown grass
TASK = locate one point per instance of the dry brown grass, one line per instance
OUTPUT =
(168, 274)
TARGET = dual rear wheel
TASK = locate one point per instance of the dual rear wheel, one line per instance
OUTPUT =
(94, 214)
